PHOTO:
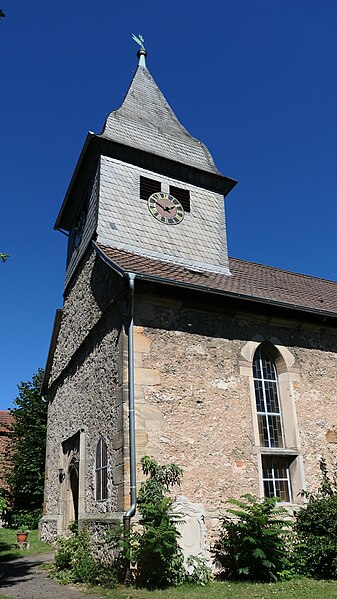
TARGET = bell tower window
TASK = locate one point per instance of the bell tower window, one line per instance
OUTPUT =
(183, 195)
(147, 187)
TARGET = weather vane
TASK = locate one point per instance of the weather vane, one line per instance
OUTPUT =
(139, 40)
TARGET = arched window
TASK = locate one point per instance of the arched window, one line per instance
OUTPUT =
(101, 470)
(275, 467)
(267, 401)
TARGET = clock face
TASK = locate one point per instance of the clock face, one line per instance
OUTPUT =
(165, 208)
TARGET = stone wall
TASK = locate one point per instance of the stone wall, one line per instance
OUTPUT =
(85, 394)
(194, 400)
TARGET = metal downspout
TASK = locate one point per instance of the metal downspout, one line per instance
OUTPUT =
(132, 435)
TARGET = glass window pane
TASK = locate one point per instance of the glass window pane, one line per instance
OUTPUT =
(104, 454)
(275, 431)
(268, 488)
(271, 396)
(99, 484)
(99, 454)
(257, 373)
(101, 470)
(104, 483)
(263, 430)
(268, 367)
(259, 396)
(282, 490)
(267, 401)
(276, 479)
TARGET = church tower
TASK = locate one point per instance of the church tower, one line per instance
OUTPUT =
(165, 347)
(144, 150)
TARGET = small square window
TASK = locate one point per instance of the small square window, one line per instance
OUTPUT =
(276, 477)
(147, 187)
(183, 195)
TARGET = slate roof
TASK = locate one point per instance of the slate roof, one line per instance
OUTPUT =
(145, 121)
(248, 280)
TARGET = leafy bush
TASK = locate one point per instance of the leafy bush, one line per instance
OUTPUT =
(153, 550)
(25, 519)
(158, 555)
(252, 545)
(3, 501)
(121, 548)
(198, 573)
(315, 553)
(74, 562)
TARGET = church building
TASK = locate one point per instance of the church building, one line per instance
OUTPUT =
(167, 347)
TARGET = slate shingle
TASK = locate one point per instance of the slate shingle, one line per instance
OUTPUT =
(145, 121)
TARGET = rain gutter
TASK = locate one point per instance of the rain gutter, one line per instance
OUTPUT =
(131, 388)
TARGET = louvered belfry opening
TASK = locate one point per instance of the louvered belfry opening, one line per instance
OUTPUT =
(183, 195)
(148, 187)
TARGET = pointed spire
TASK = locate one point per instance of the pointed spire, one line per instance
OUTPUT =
(145, 121)
(142, 54)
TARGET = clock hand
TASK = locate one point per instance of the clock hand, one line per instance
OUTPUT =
(167, 208)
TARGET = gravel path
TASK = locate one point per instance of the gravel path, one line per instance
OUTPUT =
(22, 578)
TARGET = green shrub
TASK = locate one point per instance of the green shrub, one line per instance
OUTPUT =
(3, 501)
(252, 545)
(158, 555)
(197, 571)
(74, 562)
(25, 519)
(123, 550)
(315, 552)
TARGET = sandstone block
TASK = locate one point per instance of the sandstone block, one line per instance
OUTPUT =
(144, 376)
(142, 343)
(149, 417)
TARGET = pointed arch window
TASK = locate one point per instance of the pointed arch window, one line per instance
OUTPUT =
(267, 401)
(275, 465)
(101, 470)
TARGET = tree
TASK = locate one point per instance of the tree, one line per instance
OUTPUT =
(252, 545)
(315, 552)
(26, 451)
(159, 557)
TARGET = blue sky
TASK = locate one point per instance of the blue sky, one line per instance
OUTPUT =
(255, 80)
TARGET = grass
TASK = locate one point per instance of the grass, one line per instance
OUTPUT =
(8, 548)
(297, 588)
